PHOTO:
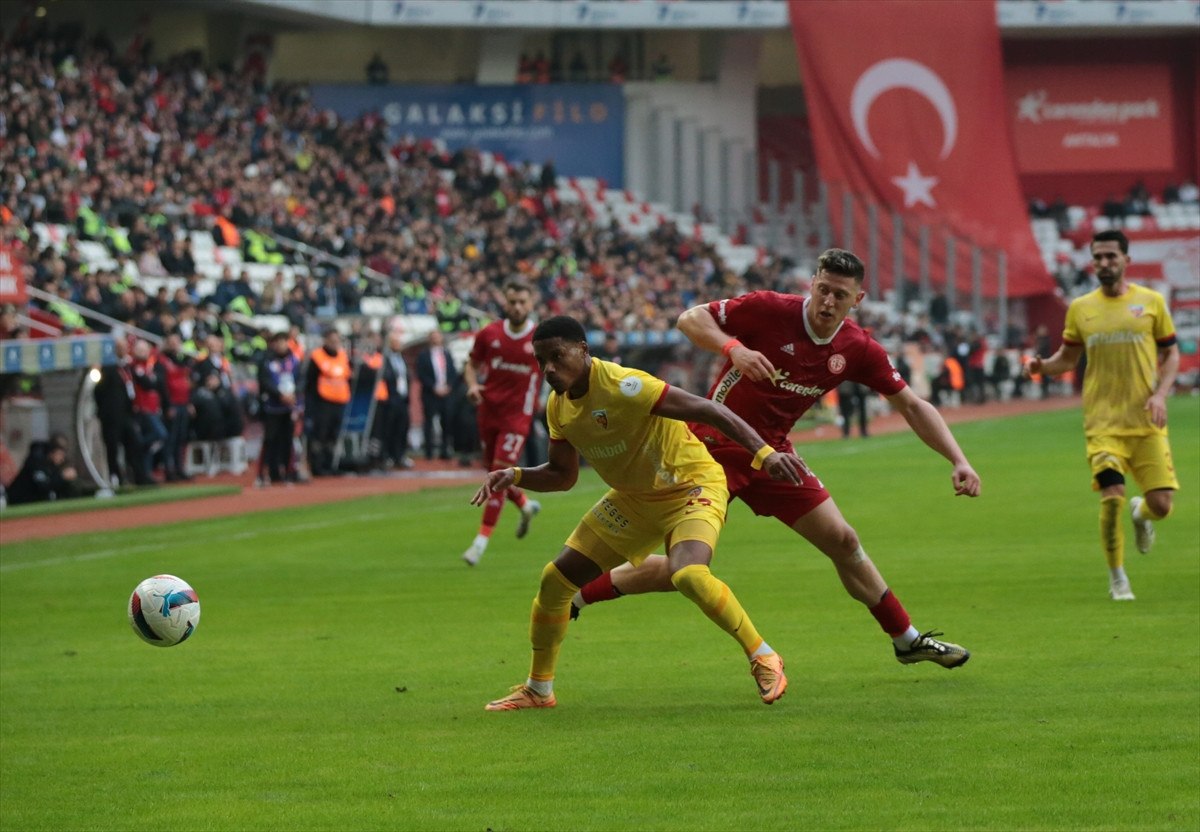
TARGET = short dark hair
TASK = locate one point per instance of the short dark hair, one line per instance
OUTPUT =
(1112, 235)
(516, 284)
(560, 326)
(841, 262)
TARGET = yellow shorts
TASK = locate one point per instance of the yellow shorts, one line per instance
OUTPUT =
(621, 528)
(1147, 458)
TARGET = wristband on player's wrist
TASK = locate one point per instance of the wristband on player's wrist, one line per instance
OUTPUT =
(516, 476)
(729, 345)
(761, 457)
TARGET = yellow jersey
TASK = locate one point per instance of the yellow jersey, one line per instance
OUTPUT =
(614, 427)
(1121, 336)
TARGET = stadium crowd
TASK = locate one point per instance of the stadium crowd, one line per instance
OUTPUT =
(136, 156)
(132, 153)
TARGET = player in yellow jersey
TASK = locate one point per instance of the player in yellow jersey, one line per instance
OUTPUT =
(1132, 361)
(664, 488)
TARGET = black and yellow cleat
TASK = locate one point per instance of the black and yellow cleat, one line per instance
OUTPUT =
(926, 648)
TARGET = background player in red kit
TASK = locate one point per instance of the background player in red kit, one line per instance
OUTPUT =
(503, 382)
(784, 352)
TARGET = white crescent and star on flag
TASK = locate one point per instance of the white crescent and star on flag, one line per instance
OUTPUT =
(903, 73)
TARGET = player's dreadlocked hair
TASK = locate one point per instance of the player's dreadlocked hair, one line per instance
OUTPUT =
(560, 326)
(841, 262)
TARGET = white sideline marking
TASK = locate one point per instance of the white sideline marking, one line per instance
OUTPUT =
(58, 561)
(245, 535)
(852, 448)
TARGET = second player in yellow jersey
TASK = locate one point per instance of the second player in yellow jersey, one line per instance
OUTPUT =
(1132, 360)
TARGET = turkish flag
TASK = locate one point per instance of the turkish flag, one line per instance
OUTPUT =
(907, 109)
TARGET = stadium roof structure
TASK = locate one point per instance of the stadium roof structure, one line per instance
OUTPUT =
(1057, 17)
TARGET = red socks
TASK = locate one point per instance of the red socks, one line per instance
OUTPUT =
(517, 496)
(601, 589)
(491, 510)
(891, 615)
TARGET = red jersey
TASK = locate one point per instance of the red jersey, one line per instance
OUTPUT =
(507, 371)
(146, 399)
(806, 367)
(179, 379)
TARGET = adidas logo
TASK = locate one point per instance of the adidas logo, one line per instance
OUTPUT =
(789, 349)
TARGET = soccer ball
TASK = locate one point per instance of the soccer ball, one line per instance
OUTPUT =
(164, 610)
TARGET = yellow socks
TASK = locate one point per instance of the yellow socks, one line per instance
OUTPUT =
(719, 603)
(548, 621)
(1112, 532)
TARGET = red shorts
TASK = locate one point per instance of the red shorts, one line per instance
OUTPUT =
(503, 442)
(765, 496)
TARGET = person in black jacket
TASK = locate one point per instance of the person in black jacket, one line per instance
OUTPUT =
(45, 474)
(852, 402)
(438, 376)
(392, 416)
(277, 390)
(114, 406)
(212, 372)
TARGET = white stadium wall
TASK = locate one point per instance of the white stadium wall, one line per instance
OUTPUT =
(686, 143)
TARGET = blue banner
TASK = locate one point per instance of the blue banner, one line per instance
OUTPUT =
(45, 355)
(581, 127)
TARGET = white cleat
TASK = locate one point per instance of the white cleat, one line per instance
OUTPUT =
(473, 554)
(1143, 529)
(1120, 590)
(530, 511)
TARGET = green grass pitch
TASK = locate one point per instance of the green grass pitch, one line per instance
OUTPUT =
(338, 675)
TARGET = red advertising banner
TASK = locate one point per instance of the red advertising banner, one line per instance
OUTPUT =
(910, 113)
(1083, 118)
(12, 275)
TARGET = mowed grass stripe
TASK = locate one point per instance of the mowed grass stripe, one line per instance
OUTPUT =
(338, 674)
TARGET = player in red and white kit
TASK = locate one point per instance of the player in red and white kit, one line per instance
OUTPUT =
(783, 353)
(503, 382)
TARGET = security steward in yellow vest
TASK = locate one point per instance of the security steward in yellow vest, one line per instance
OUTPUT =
(327, 389)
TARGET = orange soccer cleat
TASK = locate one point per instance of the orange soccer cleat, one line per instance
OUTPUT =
(768, 673)
(521, 696)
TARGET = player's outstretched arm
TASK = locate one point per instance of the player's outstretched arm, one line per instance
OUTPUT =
(702, 330)
(1067, 358)
(687, 407)
(928, 424)
(557, 473)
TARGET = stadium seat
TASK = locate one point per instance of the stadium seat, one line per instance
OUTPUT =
(272, 323)
(227, 256)
(377, 307)
(202, 241)
(210, 458)
(199, 459)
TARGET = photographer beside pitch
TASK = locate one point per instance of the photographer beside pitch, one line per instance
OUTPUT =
(663, 487)
(1132, 360)
(795, 350)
